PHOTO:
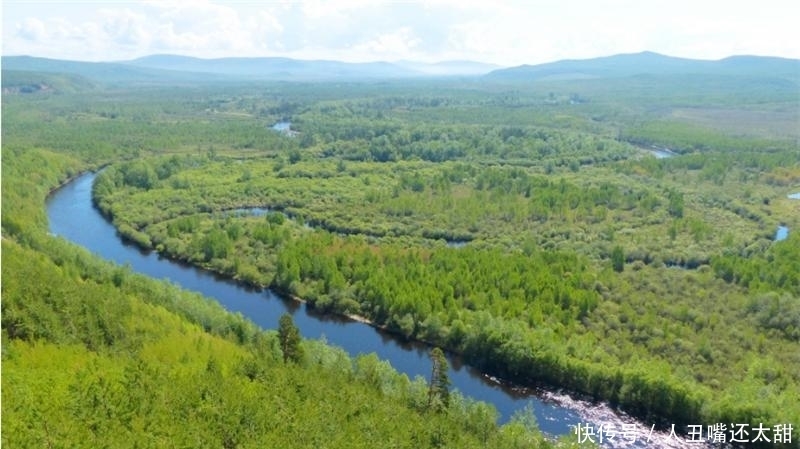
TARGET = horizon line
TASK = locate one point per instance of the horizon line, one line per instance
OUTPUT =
(396, 61)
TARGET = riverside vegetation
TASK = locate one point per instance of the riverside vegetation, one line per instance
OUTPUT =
(525, 230)
(94, 355)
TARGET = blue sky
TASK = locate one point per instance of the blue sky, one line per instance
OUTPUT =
(500, 32)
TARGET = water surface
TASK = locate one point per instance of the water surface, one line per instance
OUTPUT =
(782, 233)
(72, 216)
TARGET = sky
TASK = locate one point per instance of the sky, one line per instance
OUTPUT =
(505, 33)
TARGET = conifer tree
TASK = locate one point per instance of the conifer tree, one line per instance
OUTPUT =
(439, 390)
(618, 259)
(289, 338)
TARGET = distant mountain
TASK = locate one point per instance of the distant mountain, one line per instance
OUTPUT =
(282, 68)
(444, 68)
(104, 72)
(650, 63)
(162, 69)
(173, 69)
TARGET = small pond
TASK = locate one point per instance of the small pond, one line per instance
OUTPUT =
(284, 127)
(782, 233)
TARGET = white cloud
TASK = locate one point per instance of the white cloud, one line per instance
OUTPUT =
(125, 27)
(32, 29)
(324, 9)
(506, 32)
(397, 44)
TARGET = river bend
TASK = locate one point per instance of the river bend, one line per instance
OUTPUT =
(72, 216)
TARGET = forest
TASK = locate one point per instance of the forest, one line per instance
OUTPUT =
(533, 234)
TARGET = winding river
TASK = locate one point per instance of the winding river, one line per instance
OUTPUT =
(73, 217)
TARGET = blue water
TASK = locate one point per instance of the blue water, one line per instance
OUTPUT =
(661, 154)
(283, 127)
(782, 233)
(250, 211)
(72, 216)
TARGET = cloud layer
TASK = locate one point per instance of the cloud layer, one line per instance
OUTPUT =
(508, 33)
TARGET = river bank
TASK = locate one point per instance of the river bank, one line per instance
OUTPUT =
(73, 216)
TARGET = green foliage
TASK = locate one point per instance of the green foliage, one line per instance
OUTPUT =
(530, 195)
(215, 245)
(439, 385)
(776, 269)
(289, 339)
(295, 156)
(618, 259)
(687, 137)
(99, 360)
(28, 173)
(139, 174)
(507, 291)
(24, 82)
(675, 204)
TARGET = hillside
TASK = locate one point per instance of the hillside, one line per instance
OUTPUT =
(627, 65)
(112, 358)
(105, 73)
(166, 69)
(21, 82)
(96, 356)
(272, 68)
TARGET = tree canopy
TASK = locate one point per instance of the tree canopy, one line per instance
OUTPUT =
(289, 338)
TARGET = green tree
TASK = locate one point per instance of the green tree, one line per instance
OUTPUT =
(618, 259)
(295, 157)
(140, 174)
(289, 337)
(216, 244)
(439, 388)
(675, 204)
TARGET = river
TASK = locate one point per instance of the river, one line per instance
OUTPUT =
(661, 153)
(72, 216)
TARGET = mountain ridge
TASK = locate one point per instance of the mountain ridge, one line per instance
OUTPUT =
(647, 62)
(170, 68)
(266, 66)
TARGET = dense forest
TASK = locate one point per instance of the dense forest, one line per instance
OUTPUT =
(526, 227)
